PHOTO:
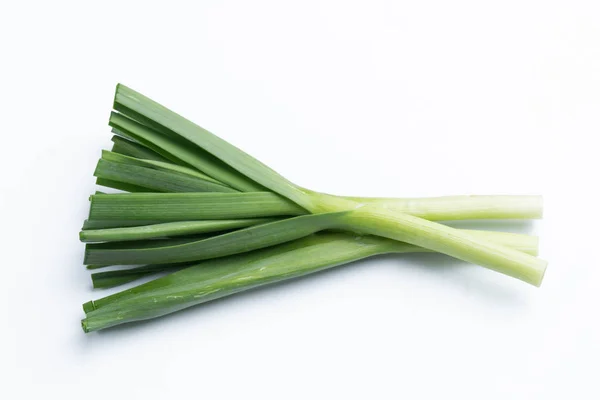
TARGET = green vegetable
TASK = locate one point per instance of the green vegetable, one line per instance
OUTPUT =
(375, 219)
(225, 222)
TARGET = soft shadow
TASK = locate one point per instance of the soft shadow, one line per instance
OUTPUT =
(484, 285)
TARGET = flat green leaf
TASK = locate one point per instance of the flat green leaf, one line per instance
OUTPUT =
(142, 108)
(155, 179)
(252, 238)
(168, 229)
(126, 187)
(108, 279)
(100, 224)
(174, 148)
(131, 149)
(169, 207)
(159, 165)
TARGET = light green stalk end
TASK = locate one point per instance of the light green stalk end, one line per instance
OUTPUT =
(463, 245)
(447, 208)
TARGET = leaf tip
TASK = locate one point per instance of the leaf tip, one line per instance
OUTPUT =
(84, 325)
(89, 306)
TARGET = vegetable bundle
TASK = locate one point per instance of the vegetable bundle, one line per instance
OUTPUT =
(217, 221)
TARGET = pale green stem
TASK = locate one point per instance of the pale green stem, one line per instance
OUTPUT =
(378, 220)
(375, 220)
(449, 208)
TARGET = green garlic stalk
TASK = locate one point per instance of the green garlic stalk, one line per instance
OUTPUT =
(176, 138)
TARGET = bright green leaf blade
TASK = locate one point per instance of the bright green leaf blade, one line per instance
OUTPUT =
(126, 187)
(168, 229)
(252, 238)
(159, 165)
(149, 145)
(100, 224)
(154, 179)
(108, 279)
(169, 207)
(95, 266)
(105, 280)
(174, 148)
(131, 149)
(138, 106)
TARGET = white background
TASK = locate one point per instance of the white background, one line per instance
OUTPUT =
(396, 98)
